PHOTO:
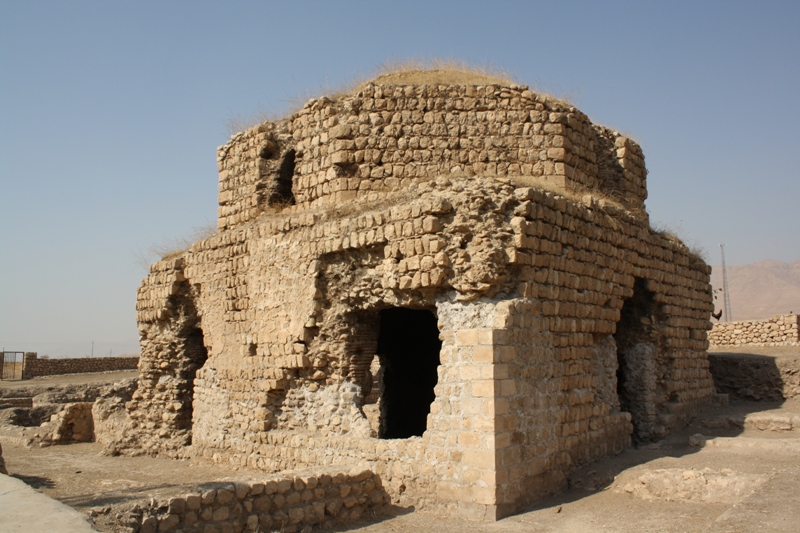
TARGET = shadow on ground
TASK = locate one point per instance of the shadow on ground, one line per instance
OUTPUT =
(371, 517)
(114, 497)
(35, 482)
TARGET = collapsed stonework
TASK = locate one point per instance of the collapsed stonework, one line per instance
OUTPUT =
(454, 284)
(45, 413)
(71, 424)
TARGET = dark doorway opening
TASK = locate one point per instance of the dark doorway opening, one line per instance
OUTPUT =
(282, 194)
(636, 356)
(408, 346)
(195, 355)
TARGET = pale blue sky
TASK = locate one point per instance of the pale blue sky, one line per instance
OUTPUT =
(111, 113)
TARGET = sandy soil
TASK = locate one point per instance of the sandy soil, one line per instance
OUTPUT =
(45, 383)
(774, 351)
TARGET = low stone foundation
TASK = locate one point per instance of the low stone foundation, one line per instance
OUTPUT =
(780, 330)
(16, 402)
(286, 504)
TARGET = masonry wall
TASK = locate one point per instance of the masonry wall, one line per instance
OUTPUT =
(528, 289)
(34, 367)
(568, 328)
(780, 330)
(281, 503)
(383, 138)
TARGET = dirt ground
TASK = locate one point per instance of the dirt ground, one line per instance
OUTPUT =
(736, 480)
(41, 384)
(774, 351)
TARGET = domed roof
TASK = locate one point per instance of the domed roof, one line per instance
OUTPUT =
(443, 76)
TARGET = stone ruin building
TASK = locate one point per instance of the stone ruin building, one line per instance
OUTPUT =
(456, 285)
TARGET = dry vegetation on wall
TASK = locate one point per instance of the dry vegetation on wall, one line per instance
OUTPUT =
(173, 246)
(675, 235)
(580, 195)
(436, 71)
(406, 72)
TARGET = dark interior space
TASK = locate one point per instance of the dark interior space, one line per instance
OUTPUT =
(634, 326)
(408, 345)
(283, 191)
(195, 353)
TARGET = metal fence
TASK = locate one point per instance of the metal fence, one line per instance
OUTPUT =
(11, 365)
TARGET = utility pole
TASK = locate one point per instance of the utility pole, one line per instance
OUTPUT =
(725, 296)
(93, 341)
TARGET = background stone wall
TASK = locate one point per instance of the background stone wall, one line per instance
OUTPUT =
(780, 330)
(33, 366)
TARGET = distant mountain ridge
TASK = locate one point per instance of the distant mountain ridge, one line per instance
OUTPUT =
(759, 290)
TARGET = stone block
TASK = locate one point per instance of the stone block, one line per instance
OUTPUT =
(483, 354)
(483, 388)
(467, 337)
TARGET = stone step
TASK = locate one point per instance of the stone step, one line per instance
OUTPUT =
(755, 421)
(15, 402)
(790, 445)
(772, 422)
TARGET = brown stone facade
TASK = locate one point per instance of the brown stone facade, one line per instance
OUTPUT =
(414, 307)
